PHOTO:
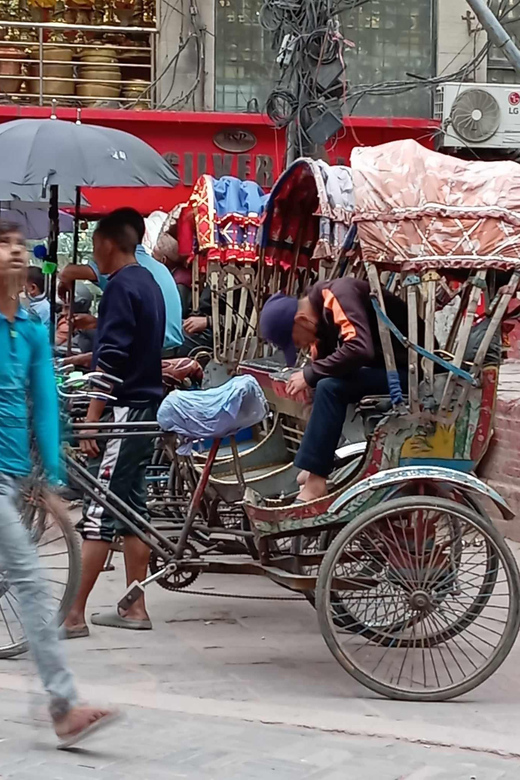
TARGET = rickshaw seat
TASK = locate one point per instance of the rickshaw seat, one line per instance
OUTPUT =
(176, 371)
(215, 413)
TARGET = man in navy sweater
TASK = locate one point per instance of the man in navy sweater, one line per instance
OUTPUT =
(130, 334)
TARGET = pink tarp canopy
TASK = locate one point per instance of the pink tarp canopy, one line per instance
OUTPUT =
(424, 209)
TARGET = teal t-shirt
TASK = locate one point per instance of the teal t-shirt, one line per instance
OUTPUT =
(173, 336)
(26, 371)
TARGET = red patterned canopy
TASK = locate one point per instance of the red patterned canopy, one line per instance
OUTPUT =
(220, 221)
(303, 220)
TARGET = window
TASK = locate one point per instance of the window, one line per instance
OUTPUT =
(245, 67)
(392, 39)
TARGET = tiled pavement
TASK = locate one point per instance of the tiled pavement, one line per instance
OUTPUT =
(150, 745)
(227, 689)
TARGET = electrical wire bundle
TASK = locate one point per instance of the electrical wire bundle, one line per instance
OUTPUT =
(310, 52)
(303, 27)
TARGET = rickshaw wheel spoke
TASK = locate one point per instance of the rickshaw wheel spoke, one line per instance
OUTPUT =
(419, 598)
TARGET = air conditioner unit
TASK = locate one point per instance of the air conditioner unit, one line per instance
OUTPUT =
(479, 115)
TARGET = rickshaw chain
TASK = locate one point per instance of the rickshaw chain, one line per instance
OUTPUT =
(236, 596)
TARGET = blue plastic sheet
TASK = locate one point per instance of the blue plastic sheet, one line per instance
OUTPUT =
(215, 413)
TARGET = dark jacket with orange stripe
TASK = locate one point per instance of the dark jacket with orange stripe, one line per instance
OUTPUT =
(348, 336)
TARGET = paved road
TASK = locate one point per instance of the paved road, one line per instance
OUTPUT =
(247, 689)
(153, 745)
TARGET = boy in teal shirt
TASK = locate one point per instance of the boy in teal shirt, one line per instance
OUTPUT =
(26, 372)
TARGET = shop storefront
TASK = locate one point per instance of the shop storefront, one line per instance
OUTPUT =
(243, 145)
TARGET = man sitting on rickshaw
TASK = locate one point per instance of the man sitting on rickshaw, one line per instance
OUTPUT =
(337, 321)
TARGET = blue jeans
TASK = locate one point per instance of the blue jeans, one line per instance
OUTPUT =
(19, 560)
(329, 407)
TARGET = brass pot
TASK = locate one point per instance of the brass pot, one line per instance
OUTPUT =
(101, 82)
(10, 72)
(98, 55)
(97, 91)
(124, 13)
(128, 60)
(99, 74)
(53, 71)
(134, 91)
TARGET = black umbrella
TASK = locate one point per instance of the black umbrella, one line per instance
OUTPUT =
(24, 196)
(64, 156)
(43, 152)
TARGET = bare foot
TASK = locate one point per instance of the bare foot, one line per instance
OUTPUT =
(75, 724)
(315, 487)
(136, 611)
(302, 478)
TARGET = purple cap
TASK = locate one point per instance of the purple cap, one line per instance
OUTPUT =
(276, 324)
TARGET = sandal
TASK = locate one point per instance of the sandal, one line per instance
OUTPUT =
(114, 620)
(76, 632)
(68, 740)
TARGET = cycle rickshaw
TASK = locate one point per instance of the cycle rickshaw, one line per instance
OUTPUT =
(417, 593)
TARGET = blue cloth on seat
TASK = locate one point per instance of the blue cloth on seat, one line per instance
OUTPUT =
(234, 196)
(215, 413)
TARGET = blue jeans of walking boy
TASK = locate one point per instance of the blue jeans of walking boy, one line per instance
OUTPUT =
(19, 562)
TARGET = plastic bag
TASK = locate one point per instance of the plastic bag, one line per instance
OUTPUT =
(215, 413)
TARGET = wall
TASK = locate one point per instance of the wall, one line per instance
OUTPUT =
(457, 39)
(501, 465)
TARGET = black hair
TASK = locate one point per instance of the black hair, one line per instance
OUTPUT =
(35, 276)
(133, 218)
(9, 227)
(125, 227)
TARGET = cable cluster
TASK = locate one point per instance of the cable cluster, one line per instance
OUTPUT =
(306, 35)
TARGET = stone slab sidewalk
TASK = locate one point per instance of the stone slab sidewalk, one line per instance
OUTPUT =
(150, 745)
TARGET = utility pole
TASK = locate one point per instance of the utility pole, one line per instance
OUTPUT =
(496, 32)
(310, 92)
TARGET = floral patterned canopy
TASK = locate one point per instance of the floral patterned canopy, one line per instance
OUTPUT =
(417, 208)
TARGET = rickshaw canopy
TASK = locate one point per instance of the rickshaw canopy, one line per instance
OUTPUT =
(220, 221)
(419, 209)
(308, 214)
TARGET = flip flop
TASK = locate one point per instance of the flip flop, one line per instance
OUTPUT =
(303, 501)
(76, 632)
(115, 620)
(79, 736)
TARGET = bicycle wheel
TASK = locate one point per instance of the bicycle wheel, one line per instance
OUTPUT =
(60, 559)
(435, 591)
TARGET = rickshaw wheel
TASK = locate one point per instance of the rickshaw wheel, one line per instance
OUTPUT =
(59, 553)
(444, 583)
